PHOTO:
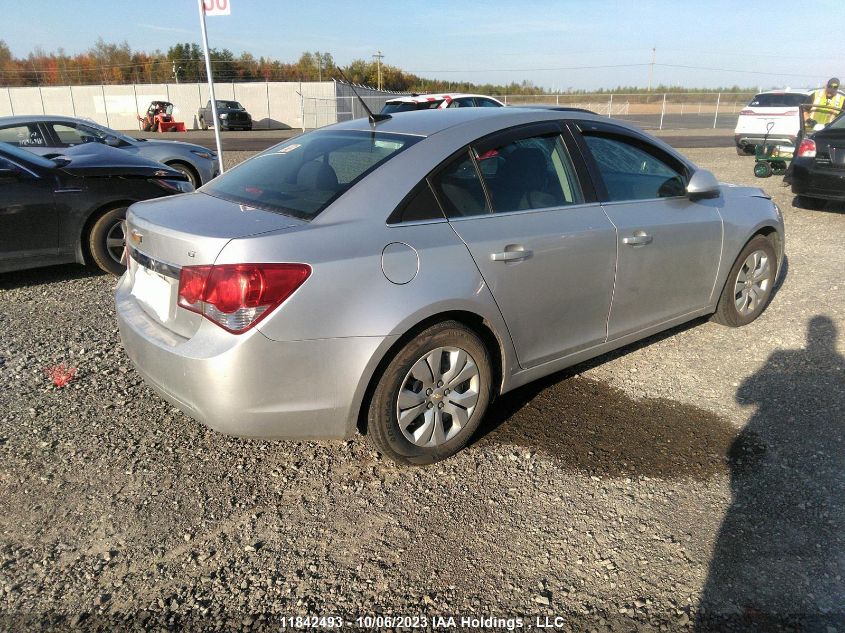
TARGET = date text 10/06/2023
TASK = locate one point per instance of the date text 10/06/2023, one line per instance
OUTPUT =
(421, 622)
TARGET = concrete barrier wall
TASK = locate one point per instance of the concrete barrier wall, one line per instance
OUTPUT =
(273, 105)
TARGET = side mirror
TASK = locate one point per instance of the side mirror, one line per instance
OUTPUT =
(112, 141)
(703, 184)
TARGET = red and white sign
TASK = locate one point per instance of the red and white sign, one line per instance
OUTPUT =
(217, 7)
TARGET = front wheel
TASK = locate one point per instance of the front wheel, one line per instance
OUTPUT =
(432, 395)
(749, 286)
(106, 241)
(187, 171)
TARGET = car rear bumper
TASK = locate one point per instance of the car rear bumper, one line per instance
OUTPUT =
(249, 385)
(751, 139)
(811, 180)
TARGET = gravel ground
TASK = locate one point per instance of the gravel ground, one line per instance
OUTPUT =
(694, 480)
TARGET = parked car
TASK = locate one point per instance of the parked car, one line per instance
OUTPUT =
(231, 114)
(394, 278)
(778, 108)
(818, 169)
(49, 134)
(439, 102)
(71, 208)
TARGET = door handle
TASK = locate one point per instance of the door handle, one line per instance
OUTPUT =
(639, 238)
(512, 253)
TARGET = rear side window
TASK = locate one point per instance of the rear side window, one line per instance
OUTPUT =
(301, 177)
(781, 100)
(22, 136)
(630, 172)
(530, 173)
(459, 188)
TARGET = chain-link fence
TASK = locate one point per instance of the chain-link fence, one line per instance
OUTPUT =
(654, 111)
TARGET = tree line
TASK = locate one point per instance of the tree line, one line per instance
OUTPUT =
(110, 63)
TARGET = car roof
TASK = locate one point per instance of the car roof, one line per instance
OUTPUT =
(435, 96)
(787, 91)
(37, 118)
(429, 122)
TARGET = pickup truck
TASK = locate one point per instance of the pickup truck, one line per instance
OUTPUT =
(232, 116)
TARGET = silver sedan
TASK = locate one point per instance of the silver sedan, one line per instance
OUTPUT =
(392, 278)
(49, 134)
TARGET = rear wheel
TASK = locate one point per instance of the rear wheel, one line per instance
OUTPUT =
(432, 395)
(749, 286)
(106, 241)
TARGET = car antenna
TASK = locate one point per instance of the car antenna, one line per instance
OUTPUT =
(374, 118)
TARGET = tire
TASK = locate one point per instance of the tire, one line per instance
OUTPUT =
(193, 178)
(749, 286)
(811, 204)
(462, 355)
(203, 124)
(105, 252)
(741, 151)
(147, 126)
(762, 169)
(156, 126)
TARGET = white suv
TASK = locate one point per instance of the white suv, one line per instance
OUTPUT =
(776, 107)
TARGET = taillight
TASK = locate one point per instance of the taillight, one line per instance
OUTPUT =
(807, 148)
(237, 296)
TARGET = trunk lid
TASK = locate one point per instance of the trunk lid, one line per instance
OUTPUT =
(164, 235)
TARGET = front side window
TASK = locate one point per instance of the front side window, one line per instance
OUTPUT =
(529, 173)
(70, 135)
(22, 136)
(487, 103)
(630, 172)
(302, 176)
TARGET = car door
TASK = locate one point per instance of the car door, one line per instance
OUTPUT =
(669, 246)
(28, 217)
(544, 246)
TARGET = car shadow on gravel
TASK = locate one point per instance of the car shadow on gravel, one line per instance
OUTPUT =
(779, 559)
(46, 275)
(597, 429)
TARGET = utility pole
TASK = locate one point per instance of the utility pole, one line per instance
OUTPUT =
(378, 57)
(651, 67)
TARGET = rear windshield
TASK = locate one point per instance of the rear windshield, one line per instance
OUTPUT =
(229, 105)
(404, 106)
(779, 100)
(304, 175)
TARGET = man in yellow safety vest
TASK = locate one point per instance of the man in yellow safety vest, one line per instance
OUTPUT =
(827, 103)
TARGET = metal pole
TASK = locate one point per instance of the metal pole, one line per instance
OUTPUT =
(41, 95)
(267, 86)
(610, 106)
(72, 102)
(662, 111)
(105, 107)
(716, 118)
(11, 105)
(211, 85)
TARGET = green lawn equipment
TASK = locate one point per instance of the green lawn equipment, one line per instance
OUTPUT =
(770, 158)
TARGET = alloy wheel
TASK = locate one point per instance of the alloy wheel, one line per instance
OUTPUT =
(753, 283)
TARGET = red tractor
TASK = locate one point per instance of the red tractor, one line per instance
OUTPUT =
(159, 118)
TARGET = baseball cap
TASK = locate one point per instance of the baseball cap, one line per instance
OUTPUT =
(833, 82)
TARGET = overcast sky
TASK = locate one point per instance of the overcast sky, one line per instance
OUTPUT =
(556, 44)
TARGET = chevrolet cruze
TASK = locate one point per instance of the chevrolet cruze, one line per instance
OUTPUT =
(393, 276)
